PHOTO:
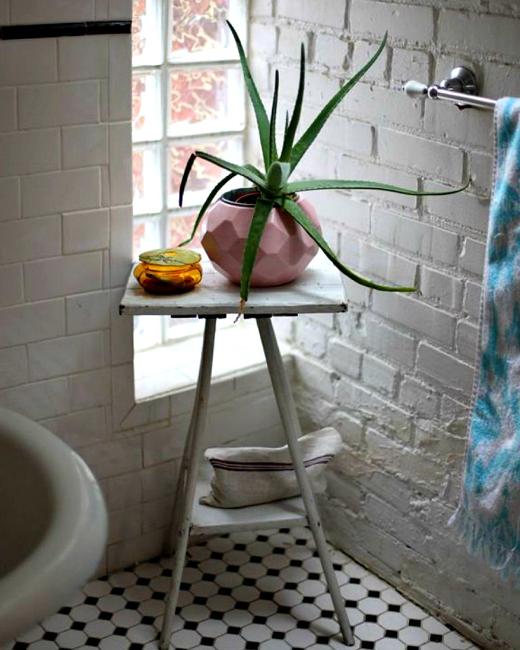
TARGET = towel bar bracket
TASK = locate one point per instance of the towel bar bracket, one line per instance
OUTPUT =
(461, 80)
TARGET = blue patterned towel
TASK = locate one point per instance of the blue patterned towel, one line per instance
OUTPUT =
(489, 511)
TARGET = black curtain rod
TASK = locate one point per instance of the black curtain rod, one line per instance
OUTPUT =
(85, 28)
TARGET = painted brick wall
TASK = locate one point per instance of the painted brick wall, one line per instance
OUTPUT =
(395, 373)
(66, 356)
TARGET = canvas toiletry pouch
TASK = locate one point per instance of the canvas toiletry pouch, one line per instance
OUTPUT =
(245, 476)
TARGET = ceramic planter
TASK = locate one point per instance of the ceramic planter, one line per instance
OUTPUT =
(285, 248)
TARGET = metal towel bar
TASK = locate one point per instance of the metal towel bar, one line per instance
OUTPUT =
(460, 87)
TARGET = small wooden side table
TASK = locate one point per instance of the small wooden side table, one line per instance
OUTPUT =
(318, 290)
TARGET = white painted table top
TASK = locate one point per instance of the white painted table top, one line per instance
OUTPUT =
(318, 290)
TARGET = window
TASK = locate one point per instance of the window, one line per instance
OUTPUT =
(187, 93)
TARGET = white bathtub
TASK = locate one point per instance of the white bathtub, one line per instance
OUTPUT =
(53, 523)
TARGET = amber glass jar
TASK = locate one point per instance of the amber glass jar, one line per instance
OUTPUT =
(168, 270)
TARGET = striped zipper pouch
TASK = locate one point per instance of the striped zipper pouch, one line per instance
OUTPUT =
(245, 476)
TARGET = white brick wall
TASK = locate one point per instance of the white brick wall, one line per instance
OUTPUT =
(10, 198)
(403, 22)
(330, 14)
(395, 373)
(435, 159)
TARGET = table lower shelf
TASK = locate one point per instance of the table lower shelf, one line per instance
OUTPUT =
(207, 520)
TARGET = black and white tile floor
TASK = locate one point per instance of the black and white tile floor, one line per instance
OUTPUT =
(243, 591)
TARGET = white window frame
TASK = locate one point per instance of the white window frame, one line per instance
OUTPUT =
(154, 376)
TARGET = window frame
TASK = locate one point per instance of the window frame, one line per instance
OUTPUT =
(170, 330)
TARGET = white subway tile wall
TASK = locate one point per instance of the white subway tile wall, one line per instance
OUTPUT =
(85, 145)
(26, 12)
(395, 373)
(61, 191)
(65, 254)
(28, 61)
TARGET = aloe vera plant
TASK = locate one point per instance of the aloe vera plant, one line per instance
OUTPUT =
(273, 185)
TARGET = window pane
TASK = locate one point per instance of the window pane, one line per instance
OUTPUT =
(179, 229)
(147, 48)
(178, 329)
(146, 235)
(206, 100)
(203, 175)
(199, 31)
(146, 172)
(146, 106)
(147, 332)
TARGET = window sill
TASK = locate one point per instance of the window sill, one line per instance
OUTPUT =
(173, 367)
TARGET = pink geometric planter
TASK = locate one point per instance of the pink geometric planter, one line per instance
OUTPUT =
(285, 248)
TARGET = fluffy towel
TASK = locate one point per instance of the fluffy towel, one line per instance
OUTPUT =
(489, 510)
(244, 476)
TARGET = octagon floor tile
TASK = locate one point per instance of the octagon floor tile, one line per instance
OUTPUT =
(242, 591)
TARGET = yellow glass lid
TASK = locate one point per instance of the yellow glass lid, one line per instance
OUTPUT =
(170, 257)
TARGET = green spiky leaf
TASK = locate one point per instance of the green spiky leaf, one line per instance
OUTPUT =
(206, 205)
(240, 170)
(260, 113)
(305, 186)
(313, 130)
(300, 217)
(262, 209)
(185, 175)
(273, 151)
(290, 130)
(277, 177)
(254, 169)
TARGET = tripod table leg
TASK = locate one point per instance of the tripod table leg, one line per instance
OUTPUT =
(292, 428)
(180, 487)
(195, 441)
